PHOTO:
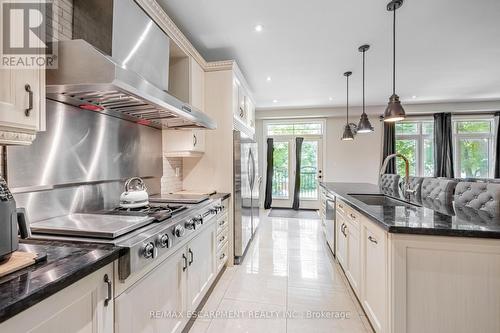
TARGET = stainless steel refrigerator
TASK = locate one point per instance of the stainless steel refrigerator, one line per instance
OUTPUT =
(246, 193)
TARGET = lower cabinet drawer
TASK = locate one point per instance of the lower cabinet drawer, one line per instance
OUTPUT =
(222, 238)
(222, 223)
(222, 256)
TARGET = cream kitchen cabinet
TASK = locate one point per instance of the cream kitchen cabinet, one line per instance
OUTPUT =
(84, 307)
(196, 85)
(348, 244)
(161, 292)
(341, 241)
(353, 271)
(201, 265)
(183, 143)
(22, 105)
(243, 105)
(374, 295)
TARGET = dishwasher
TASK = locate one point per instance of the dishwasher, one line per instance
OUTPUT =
(330, 222)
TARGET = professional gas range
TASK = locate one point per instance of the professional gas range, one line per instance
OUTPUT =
(148, 233)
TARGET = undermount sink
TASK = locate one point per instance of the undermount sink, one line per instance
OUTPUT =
(379, 200)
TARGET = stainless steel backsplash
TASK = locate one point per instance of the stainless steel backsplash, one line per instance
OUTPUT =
(81, 162)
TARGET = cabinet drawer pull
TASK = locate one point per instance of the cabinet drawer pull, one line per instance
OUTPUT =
(352, 216)
(222, 239)
(109, 297)
(192, 257)
(373, 240)
(222, 256)
(221, 223)
(185, 262)
(27, 112)
(195, 140)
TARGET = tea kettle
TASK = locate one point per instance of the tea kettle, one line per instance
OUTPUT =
(135, 195)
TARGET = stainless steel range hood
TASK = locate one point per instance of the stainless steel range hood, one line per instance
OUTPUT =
(120, 69)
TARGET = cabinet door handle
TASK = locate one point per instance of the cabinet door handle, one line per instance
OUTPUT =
(109, 297)
(27, 112)
(222, 256)
(195, 140)
(353, 216)
(185, 262)
(373, 240)
(192, 257)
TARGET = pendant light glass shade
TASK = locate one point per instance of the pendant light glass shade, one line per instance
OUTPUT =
(364, 125)
(394, 111)
(348, 134)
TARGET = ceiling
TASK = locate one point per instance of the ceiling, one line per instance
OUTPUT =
(447, 50)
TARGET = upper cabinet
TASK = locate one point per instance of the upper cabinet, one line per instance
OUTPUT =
(243, 105)
(186, 78)
(186, 82)
(22, 105)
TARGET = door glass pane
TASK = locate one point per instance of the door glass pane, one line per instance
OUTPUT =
(474, 158)
(428, 157)
(408, 148)
(406, 128)
(473, 126)
(309, 170)
(280, 170)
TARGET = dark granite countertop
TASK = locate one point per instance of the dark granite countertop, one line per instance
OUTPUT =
(414, 219)
(66, 263)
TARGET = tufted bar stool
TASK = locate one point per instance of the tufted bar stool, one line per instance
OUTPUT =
(416, 185)
(389, 184)
(437, 194)
(480, 198)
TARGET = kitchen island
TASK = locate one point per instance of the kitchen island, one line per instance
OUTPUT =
(415, 269)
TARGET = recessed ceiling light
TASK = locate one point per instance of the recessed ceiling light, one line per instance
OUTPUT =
(275, 101)
(413, 96)
(259, 27)
(268, 79)
(330, 98)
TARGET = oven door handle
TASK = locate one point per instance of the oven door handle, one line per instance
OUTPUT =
(185, 262)
(192, 257)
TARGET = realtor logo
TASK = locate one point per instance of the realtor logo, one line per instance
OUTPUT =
(26, 34)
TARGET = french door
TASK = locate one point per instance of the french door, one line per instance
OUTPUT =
(284, 171)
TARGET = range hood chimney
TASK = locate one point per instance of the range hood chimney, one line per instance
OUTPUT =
(118, 64)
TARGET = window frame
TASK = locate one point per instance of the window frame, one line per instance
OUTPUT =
(419, 138)
(473, 136)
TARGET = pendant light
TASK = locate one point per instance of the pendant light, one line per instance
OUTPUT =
(348, 133)
(364, 125)
(394, 111)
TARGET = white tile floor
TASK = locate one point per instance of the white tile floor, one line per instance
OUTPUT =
(288, 276)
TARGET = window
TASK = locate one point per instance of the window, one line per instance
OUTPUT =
(415, 141)
(473, 142)
(295, 129)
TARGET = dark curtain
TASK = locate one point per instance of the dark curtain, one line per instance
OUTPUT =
(389, 146)
(269, 175)
(497, 146)
(443, 147)
(296, 190)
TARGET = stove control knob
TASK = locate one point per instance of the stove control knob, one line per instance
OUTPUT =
(219, 208)
(191, 224)
(149, 250)
(198, 219)
(164, 241)
(179, 230)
